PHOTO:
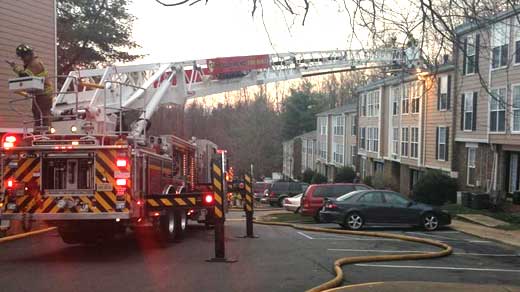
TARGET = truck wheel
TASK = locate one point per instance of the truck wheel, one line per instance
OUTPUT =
(182, 219)
(169, 225)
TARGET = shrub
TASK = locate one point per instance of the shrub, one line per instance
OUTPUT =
(307, 175)
(368, 181)
(318, 178)
(378, 181)
(435, 188)
(345, 174)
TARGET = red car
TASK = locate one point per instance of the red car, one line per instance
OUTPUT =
(312, 200)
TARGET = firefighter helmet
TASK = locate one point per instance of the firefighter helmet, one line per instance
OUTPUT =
(23, 50)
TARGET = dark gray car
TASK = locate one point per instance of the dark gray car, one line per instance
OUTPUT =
(359, 208)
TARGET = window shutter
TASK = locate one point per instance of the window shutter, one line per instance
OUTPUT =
(477, 49)
(438, 93)
(448, 99)
(474, 124)
(462, 111)
(437, 144)
(465, 47)
(447, 144)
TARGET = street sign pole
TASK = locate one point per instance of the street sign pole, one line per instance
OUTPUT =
(248, 206)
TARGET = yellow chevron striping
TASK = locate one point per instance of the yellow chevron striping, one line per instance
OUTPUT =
(103, 202)
(217, 184)
(248, 208)
(106, 174)
(180, 201)
(192, 200)
(87, 201)
(218, 198)
(107, 161)
(28, 177)
(248, 198)
(155, 167)
(247, 178)
(166, 202)
(218, 213)
(44, 206)
(153, 203)
(248, 189)
(217, 170)
(23, 167)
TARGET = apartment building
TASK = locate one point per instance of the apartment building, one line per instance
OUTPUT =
(309, 151)
(32, 23)
(488, 100)
(336, 139)
(405, 126)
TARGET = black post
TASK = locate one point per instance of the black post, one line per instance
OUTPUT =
(219, 191)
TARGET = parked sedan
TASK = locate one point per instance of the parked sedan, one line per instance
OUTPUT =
(357, 209)
(293, 203)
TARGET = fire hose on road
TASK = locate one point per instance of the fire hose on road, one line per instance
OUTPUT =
(338, 279)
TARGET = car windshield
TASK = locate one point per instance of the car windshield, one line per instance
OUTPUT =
(347, 196)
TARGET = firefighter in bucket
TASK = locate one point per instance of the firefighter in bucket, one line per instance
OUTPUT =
(42, 101)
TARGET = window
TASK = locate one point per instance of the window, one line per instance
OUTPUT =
(499, 45)
(362, 138)
(322, 121)
(395, 199)
(373, 139)
(472, 158)
(395, 141)
(497, 110)
(515, 124)
(338, 153)
(516, 37)
(378, 167)
(415, 176)
(405, 101)
(468, 110)
(405, 138)
(353, 125)
(338, 124)
(323, 150)
(414, 145)
(442, 145)
(363, 105)
(372, 104)
(353, 152)
(371, 198)
(396, 93)
(470, 60)
(415, 94)
(443, 94)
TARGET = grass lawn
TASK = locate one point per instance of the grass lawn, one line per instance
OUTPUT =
(511, 218)
(288, 218)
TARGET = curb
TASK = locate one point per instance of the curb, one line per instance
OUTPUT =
(338, 279)
(25, 234)
(480, 231)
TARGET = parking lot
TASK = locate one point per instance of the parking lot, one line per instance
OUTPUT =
(281, 259)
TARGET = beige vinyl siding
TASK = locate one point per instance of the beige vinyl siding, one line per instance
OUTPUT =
(472, 83)
(33, 23)
(434, 119)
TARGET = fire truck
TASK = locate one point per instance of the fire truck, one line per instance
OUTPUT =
(96, 172)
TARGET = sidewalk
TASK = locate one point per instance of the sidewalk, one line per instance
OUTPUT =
(511, 237)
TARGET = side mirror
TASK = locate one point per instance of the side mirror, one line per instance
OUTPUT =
(410, 203)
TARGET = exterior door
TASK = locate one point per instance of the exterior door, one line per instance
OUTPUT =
(399, 210)
(372, 206)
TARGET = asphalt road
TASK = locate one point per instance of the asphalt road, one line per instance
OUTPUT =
(282, 259)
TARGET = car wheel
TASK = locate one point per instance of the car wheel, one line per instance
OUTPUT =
(430, 222)
(354, 221)
(271, 204)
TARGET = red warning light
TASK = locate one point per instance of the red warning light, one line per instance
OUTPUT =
(208, 198)
(121, 163)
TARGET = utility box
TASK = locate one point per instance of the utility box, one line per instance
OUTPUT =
(29, 84)
(480, 201)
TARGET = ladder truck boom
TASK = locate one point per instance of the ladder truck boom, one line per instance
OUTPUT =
(107, 93)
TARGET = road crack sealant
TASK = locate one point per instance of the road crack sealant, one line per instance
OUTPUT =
(338, 279)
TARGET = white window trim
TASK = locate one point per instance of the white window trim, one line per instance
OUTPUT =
(411, 142)
(403, 99)
(445, 77)
(511, 103)
(407, 142)
(467, 165)
(489, 112)
(466, 94)
(508, 28)
(474, 36)
(417, 97)
(396, 139)
(395, 99)
(439, 143)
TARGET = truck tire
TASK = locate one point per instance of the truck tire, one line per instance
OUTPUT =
(182, 218)
(170, 226)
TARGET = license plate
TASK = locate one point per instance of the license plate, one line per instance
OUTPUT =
(104, 187)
